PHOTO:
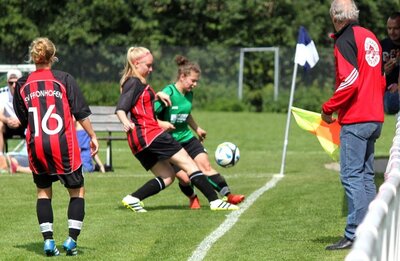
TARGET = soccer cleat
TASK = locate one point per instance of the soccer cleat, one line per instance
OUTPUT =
(234, 198)
(133, 204)
(194, 203)
(50, 248)
(70, 247)
(218, 204)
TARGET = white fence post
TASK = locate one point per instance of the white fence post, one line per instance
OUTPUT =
(378, 236)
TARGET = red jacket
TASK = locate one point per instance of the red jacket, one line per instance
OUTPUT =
(360, 82)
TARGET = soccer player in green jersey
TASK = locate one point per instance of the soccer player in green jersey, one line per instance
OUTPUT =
(177, 118)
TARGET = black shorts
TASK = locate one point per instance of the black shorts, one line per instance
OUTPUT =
(9, 132)
(72, 180)
(163, 147)
(193, 147)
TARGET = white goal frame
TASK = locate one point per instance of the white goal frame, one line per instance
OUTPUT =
(275, 50)
(22, 67)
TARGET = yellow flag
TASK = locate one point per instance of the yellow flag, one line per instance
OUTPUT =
(328, 134)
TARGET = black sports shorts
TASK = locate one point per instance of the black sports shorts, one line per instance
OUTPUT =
(71, 180)
(163, 147)
(193, 148)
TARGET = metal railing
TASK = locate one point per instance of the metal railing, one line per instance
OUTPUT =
(378, 236)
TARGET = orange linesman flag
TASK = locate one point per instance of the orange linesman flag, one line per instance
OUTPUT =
(328, 134)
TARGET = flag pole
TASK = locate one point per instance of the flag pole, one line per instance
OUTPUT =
(285, 142)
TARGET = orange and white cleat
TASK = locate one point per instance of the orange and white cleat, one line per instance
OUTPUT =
(234, 198)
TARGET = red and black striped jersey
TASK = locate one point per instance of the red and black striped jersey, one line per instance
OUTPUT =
(45, 102)
(138, 99)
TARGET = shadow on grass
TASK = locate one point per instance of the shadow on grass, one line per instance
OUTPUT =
(327, 239)
(37, 248)
(164, 207)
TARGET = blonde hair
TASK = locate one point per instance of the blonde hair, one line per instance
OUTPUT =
(134, 54)
(42, 51)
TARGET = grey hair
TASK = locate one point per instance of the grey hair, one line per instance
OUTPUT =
(344, 10)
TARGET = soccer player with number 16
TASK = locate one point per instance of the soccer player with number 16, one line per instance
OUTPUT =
(46, 102)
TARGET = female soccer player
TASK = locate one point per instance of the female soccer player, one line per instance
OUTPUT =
(177, 118)
(151, 145)
(46, 102)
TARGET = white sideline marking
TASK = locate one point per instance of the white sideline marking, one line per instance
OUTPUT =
(232, 218)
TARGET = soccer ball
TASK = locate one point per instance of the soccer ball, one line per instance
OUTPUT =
(227, 154)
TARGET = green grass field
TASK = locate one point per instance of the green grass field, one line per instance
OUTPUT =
(294, 220)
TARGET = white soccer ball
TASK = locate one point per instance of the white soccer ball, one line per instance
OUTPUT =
(227, 154)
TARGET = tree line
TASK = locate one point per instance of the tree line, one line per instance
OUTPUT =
(93, 35)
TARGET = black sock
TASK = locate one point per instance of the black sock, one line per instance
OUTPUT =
(44, 213)
(200, 181)
(76, 213)
(219, 183)
(150, 188)
(187, 190)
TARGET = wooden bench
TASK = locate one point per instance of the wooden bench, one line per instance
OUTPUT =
(104, 119)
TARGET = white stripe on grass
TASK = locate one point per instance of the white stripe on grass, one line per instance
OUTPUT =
(232, 218)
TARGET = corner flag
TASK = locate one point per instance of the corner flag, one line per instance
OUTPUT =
(327, 134)
(306, 53)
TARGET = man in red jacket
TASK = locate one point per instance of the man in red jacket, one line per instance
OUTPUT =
(358, 101)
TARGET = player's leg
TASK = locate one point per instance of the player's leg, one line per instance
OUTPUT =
(216, 179)
(44, 212)
(198, 153)
(199, 180)
(74, 183)
(164, 177)
(187, 189)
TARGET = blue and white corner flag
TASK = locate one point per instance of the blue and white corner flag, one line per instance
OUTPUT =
(306, 53)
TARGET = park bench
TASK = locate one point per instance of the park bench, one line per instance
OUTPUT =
(105, 122)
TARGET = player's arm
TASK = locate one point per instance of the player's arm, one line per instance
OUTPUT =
(163, 97)
(199, 131)
(131, 90)
(76, 100)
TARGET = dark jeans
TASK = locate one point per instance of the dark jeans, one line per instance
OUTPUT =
(391, 102)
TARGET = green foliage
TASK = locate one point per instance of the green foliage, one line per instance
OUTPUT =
(207, 31)
(100, 93)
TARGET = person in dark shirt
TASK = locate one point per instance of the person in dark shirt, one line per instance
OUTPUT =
(45, 102)
(391, 61)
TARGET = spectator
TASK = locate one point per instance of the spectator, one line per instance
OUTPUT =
(391, 60)
(358, 100)
(86, 157)
(18, 161)
(9, 123)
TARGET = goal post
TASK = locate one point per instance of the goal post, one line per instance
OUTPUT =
(275, 50)
(22, 67)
